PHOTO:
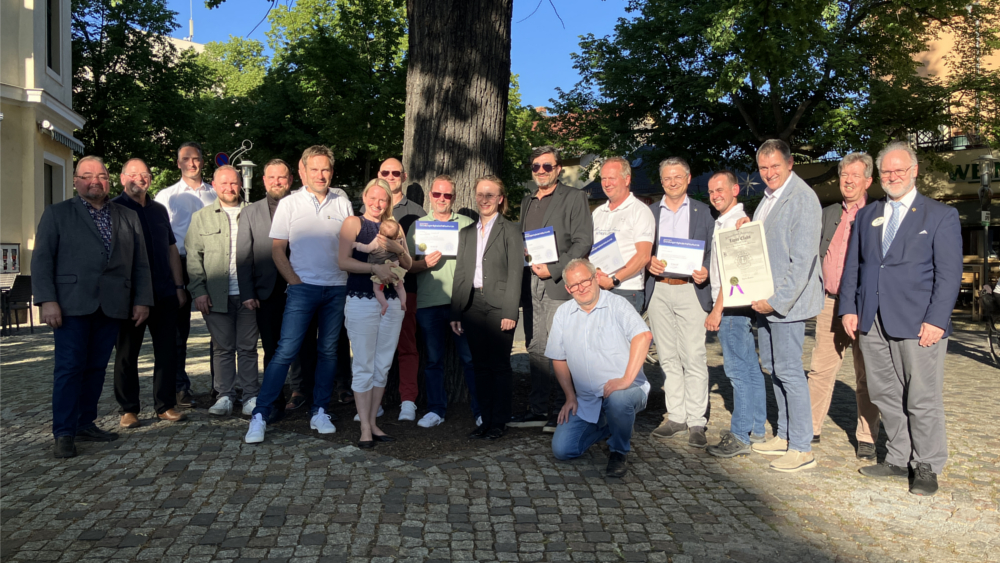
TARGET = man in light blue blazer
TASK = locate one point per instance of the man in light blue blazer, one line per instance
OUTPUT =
(792, 218)
(900, 283)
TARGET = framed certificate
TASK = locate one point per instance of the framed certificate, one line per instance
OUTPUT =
(436, 236)
(606, 255)
(680, 256)
(541, 246)
(744, 266)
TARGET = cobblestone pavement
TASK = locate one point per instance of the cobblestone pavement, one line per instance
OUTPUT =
(195, 492)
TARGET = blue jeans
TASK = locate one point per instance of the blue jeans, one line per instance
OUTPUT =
(83, 347)
(636, 297)
(435, 324)
(781, 356)
(573, 437)
(739, 354)
(302, 303)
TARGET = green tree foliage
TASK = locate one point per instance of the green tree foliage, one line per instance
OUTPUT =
(710, 80)
(129, 82)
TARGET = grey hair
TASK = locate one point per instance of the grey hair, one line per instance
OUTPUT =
(91, 158)
(854, 157)
(543, 150)
(580, 262)
(772, 146)
(626, 167)
(674, 161)
(897, 146)
(131, 160)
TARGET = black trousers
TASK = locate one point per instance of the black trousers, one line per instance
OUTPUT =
(490, 349)
(162, 324)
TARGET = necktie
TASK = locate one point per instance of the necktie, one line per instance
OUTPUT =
(890, 229)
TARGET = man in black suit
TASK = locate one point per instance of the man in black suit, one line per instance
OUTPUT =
(565, 210)
(89, 271)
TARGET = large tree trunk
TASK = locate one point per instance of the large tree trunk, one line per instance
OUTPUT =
(457, 84)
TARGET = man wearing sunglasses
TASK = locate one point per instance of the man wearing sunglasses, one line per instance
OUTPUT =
(405, 212)
(435, 274)
(566, 210)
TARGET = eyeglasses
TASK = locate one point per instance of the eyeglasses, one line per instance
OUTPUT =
(897, 173)
(136, 175)
(546, 167)
(486, 197)
(90, 177)
(395, 173)
(439, 195)
(856, 177)
(673, 179)
(582, 286)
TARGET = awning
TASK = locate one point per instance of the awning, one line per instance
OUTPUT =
(68, 140)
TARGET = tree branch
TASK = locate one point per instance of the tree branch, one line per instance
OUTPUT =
(779, 121)
(738, 102)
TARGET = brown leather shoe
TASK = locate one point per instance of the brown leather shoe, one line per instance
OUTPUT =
(129, 420)
(170, 415)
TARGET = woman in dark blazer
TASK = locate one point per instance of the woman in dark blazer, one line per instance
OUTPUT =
(484, 302)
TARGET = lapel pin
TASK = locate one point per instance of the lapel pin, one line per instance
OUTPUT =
(913, 209)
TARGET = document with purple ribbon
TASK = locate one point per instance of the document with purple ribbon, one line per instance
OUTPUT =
(744, 266)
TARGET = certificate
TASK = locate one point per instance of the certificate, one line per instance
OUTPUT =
(541, 246)
(436, 236)
(744, 266)
(606, 255)
(681, 256)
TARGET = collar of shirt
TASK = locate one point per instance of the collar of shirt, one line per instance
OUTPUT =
(402, 201)
(736, 210)
(777, 193)
(663, 204)
(856, 206)
(602, 302)
(453, 218)
(907, 201)
(182, 185)
(127, 201)
(92, 209)
(629, 201)
(489, 224)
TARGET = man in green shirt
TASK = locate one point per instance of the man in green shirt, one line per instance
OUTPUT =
(435, 274)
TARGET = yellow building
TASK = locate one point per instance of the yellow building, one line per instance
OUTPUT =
(37, 120)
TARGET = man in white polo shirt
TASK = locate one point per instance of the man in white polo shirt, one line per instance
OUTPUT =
(632, 223)
(182, 200)
(307, 222)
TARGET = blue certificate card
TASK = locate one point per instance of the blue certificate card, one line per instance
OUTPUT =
(436, 236)
(681, 256)
(541, 246)
(607, 256)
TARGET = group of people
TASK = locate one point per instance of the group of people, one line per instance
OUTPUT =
(301, 271)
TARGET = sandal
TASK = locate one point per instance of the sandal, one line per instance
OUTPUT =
(295, 402)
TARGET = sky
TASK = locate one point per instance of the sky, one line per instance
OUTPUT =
(540, 46)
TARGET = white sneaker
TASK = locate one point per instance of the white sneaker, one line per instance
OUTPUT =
(357, 417)
(222, 407)
(430, 420)
(408, 411)
(479, 421)
(256, 433)
(249, 406)
(321, 423)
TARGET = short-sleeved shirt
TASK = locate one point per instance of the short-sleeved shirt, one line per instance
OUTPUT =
(726, 221)
(159, 236)
(434, 284)
(596, 347)
(181, 202)
(630, 222)
(312, 229)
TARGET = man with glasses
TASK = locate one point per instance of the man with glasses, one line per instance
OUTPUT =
(435, 275)
(182, 200)
(900, 283)
(566, 210)
(405, 212)
(598, 344)
(89, 272)
(167, 277)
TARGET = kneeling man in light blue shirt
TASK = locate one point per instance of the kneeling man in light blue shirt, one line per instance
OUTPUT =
(597, 345)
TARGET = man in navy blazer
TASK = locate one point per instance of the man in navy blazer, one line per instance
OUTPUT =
(678, 305)
(900, 283)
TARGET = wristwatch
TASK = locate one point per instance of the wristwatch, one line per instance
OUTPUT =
(615, 281)
(180, 286)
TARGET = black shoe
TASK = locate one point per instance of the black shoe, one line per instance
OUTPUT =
(884, 469)
(729, 446)
(866, 451)
(64, 447)
(550, 425)
(815, 439)
(95, 434)
(383, 438)
(528, 419)
(924, 480)
(617, 465)
(277, 414)
(366, 444)
(696, 437)
(184, 399)
(496, 433)
(479, 433)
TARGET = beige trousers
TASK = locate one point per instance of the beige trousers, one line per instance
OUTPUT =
(827, 357)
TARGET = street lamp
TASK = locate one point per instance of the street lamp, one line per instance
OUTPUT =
(986, 163)
(246, 167)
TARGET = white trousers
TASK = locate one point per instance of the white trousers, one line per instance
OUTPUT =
(678, 324)
(373, 340)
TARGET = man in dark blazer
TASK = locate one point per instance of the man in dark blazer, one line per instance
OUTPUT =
(89, 271)
(678, 305)
(900, 283)
(566, 210)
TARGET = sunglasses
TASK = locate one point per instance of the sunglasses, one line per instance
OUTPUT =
(437, 195)
(547, 167)
(395, 173)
